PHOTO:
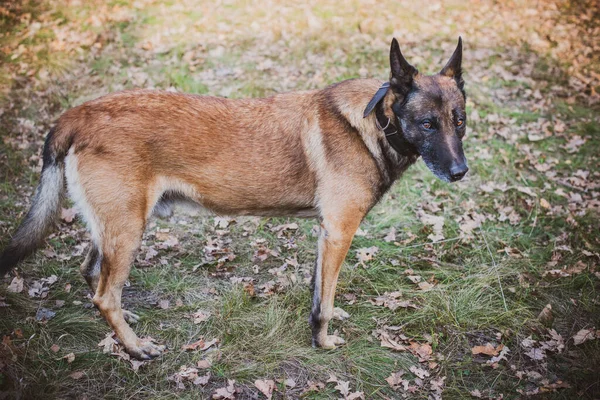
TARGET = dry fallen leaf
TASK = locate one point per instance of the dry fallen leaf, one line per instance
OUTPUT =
(77, 375)
(164, 304)
(201, 380)
(200, 344)
(419, 372)
(289, 382)
(421, 351)
(16, 285)
(391, 235)
(135, 364)
(366, 254)
(545, 204)
(488, 349)
(545, 316)
(536, 353)
(502, 356)
(227, 392)
(313, 386)
(395, 380)
(387, 341)
(193, 346)
(355, 395)
(583, 336)
(108, 344)
(265, 386)
(436, 222)
(390, 300)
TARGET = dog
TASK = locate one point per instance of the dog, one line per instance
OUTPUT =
(329, 154)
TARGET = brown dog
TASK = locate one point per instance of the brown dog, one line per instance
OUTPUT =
(320, 153)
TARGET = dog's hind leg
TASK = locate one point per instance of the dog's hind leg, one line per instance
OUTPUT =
(90, 270)
(119, 245)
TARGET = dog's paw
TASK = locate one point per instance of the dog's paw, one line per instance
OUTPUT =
(146, 350)
(130, 317)
(331, 342)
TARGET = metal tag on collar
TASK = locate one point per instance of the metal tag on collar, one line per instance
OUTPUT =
(380, 94)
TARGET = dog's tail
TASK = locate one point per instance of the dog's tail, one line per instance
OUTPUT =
(45, 207)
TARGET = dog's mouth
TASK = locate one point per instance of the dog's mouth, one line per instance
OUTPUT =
(455, 173)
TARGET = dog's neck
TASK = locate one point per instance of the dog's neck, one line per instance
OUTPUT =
(393, 132)
(380, 103)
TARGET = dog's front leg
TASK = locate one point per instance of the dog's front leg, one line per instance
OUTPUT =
(337, 231)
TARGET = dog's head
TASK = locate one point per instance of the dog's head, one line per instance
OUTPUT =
(430, 110)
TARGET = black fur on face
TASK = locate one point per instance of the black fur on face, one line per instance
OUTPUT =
(430, 111)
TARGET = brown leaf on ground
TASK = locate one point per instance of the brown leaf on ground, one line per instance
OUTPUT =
(583, 336)
(200, 344)
(421, 351)
(265, 386)
(343, 387)
(164, 304)
(425, 286)
(366, 254)
(391, 235)
(536, 353)
(77, 375)
(390, 300)
(201, 380)
(227, 392)
(419, 372)
(436, 222)
(390, 343)
(545, 316)
(193, 346)
(108, 344)
(313, 387)
(488, 349)
(289, 382)
(355, 395)
(395, 380)
(501, 356)
(135, 364)
(16, 285)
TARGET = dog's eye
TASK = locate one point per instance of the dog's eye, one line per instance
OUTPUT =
(460, 122)
(426, 124)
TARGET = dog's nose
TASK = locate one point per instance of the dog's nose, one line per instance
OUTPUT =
(457, 172)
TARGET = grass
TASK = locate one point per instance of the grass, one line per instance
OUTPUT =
(490, 286)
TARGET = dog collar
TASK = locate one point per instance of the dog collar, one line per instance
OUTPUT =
(392, 133)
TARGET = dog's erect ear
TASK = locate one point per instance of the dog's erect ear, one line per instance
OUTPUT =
(402, 74)
(453, 68)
